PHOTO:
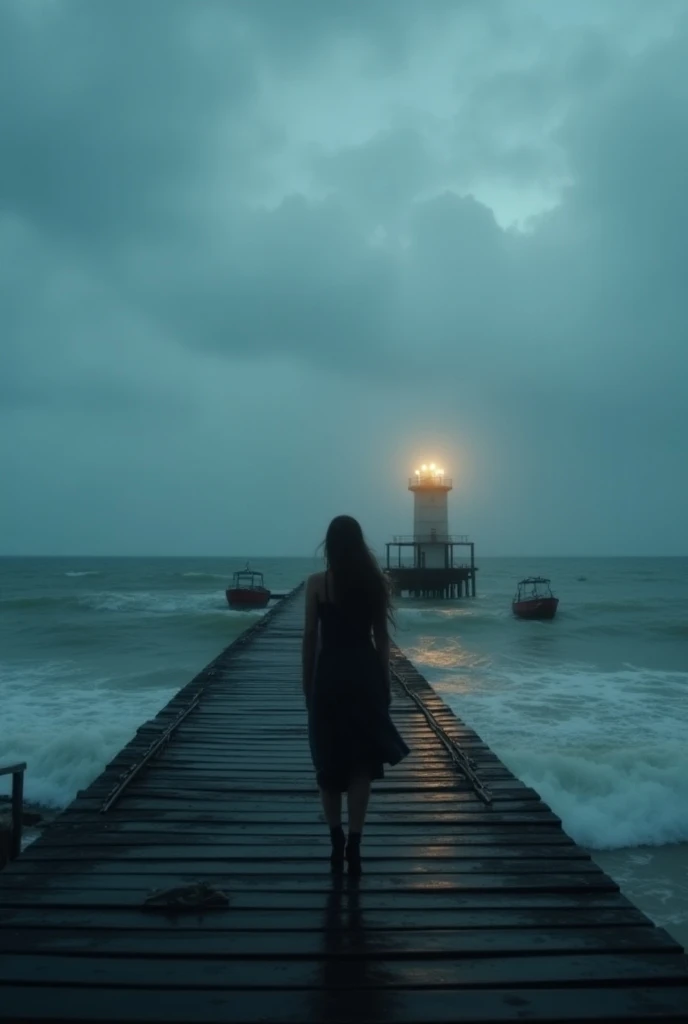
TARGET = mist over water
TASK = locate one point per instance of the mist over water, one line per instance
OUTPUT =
(591, 709)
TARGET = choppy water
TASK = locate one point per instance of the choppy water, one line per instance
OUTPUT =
(591, 709)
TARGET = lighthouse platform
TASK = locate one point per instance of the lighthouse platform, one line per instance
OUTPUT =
(427, 566)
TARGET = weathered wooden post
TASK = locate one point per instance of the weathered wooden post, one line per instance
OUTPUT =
(11, 848)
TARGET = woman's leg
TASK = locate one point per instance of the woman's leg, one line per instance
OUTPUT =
(358, 796)
(332, 807)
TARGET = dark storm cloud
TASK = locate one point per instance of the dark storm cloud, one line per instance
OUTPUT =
(108, 111)
(119, 112)
(111, 109)
(113, 117)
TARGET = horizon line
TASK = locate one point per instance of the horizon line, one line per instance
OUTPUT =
(315, 556)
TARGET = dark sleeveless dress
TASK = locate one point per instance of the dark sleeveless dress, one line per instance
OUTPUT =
(350, 730)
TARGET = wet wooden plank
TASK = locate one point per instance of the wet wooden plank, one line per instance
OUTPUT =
(284, 805)
(298, 918)
(51, 893)
(343, 937)
(118, 863)
(107, 1005)
(140, 833)
(300, 881)
(293, 789)
(338, 971)
(460, 815)
(150, 848)
(272, 780)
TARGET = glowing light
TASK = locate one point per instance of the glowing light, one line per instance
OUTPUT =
(430, 473)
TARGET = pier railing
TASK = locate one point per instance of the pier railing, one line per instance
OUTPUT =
(410, 563)
(17, 773)
(431, 538)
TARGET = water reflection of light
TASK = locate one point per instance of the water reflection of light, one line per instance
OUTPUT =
(439, 658)
(444, 654)
(425, 884)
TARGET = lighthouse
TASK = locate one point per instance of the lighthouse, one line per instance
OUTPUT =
(430, 489)
(429, 563)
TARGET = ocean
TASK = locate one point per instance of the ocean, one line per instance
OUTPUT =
(591, 709)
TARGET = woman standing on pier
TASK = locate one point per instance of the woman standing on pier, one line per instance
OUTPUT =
(347, 683)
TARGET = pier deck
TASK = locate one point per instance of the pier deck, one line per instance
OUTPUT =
(467, 911)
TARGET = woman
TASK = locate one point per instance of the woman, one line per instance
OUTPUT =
(347, 683)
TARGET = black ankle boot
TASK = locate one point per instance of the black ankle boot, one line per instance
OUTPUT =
(353, 854)
(338, 844)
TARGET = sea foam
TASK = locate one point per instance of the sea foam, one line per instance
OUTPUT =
(613, 798)
(67, 726)
(162, 602)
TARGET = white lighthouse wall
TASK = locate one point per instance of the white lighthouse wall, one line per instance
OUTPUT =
(430, 512)
(431, 517)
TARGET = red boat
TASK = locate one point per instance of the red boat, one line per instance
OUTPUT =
(247, 591)
(534, 599)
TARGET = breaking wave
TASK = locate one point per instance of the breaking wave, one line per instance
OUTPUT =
(163, 602)
(608, 751)
(160, 603)
(67, 725)
(613, 798)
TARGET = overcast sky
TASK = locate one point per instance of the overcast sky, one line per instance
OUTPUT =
(258, 258)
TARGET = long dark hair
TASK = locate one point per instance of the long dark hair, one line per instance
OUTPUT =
(359, 585)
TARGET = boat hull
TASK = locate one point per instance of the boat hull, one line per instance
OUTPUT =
(536, 608)
(240, 599)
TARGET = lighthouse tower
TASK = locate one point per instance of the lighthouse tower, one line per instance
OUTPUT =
(428, 563)
(430, 489)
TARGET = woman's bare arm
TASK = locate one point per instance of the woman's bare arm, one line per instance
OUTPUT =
(382, 645)
(310, 636)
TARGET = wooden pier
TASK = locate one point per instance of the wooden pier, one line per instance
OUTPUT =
(474, 905)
